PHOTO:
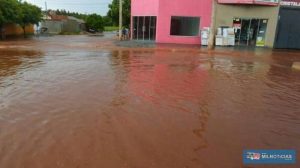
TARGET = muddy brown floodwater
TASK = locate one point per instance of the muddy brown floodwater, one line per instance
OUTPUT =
(87, 102)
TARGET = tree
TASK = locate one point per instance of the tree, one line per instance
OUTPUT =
(1, 25)
(95, 22)
(30, 14)
(113, 12)
(18, 12)
(9, 13)
(107, 21)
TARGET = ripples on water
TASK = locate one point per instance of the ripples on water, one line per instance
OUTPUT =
(65, 107)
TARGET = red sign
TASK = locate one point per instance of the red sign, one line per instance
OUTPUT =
(237, 25)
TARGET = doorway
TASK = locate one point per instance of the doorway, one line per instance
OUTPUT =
(144, 28)
(250, 32)
(288, 35)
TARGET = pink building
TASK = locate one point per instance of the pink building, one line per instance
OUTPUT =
(170, 21)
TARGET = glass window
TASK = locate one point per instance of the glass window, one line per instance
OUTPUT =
(185, 26)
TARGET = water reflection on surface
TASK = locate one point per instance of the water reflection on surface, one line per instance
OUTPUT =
(87, 103)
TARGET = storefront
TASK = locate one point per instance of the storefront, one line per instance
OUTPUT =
(254, 22)
(250, 31)
(167, 21)
(288, 28)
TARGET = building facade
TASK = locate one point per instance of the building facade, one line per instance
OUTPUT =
(166, 21)
(57, 24)
(254, 21)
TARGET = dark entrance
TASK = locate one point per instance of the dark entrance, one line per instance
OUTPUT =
(250, 32)
(144, 28)
(288, 28)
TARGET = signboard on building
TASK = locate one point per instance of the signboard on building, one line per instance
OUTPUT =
(290, 3)
(266, 1)
(258, 2)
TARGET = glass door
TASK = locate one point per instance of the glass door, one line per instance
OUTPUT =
(245, 30)
(147, 28)
(261, 33)
(144, 27)
(140, 29)
(152, 28)
(253, 32)
(135, 28)
(250, 32)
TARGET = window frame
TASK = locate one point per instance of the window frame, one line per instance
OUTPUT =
(198, 28)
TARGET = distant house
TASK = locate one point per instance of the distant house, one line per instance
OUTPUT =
(56, 24)
(79, 24)
(51, 26)
(52, 23)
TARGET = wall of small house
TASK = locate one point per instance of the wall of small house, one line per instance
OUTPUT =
(226, 13)
(16, 30)
(82, 26)
(53, 27)
(71, 26)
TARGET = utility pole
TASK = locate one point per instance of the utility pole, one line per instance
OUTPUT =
(120, 19)
(46, 6)
(211, 38)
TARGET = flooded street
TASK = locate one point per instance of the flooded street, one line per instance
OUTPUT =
(87, 102)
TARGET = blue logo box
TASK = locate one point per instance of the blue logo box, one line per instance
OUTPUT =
(269, 156)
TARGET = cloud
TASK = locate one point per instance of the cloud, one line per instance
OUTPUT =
(80, 6)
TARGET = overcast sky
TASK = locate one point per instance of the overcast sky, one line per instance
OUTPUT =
(81, 6)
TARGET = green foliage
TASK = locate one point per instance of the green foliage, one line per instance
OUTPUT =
(18, 12)
(9, 12)
(111, 28)
(95, 22)
(31, 14)
(1, 18)
(113, 12)
(107, 21)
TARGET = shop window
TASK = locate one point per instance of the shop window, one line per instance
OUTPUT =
(185, 26)
(250, 31)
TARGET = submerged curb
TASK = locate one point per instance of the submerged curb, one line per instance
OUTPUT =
(296, 65)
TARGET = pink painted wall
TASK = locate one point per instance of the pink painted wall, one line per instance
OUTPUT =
(195, 8)
(144, 7)
(164, 9)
